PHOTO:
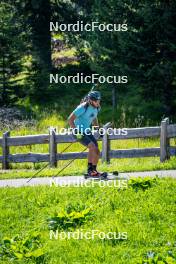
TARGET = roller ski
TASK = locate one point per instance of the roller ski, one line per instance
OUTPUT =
(101, 175)
(96, 175)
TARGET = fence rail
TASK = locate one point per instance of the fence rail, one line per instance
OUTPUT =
(165, 132)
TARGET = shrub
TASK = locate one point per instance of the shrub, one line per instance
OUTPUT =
(18, 248)
(142, 183)
(65, 220)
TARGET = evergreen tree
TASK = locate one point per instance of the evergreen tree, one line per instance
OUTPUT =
(38, 16)
(146, 52)
(12, 46)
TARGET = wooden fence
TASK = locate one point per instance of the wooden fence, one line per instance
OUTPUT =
(165, 132)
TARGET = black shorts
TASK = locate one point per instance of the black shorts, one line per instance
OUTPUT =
(86, 139)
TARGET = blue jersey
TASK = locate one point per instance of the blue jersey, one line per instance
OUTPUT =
(85, 115)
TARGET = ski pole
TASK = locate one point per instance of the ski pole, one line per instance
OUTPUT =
(68, 164)
(48, 164)
(105, 126)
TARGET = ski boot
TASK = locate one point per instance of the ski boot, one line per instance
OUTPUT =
(95, 175)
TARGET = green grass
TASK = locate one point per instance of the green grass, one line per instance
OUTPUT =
(78, 167)
(147, 216)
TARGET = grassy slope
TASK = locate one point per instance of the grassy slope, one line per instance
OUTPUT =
(79, 166)
(147, 216)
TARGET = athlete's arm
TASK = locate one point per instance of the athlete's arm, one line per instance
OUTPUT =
(71, 120)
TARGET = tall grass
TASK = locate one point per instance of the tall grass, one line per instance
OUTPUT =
(147, 216)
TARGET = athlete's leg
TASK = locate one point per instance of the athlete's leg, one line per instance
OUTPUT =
(93, 153)
(96, 150)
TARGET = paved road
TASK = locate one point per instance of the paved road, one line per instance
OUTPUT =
(79, 180)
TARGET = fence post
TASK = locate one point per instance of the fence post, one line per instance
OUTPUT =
(52, 148)
(105, 147)
(5, 151)
(164, 141)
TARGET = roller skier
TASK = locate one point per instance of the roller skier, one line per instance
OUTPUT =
(83, 118)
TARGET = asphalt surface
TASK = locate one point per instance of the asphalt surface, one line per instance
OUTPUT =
(79, 180)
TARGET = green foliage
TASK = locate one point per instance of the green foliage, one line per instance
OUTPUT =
(145, 53)
(168, 257)
(69, 219)
(20, 247)
(148, 217)
(142, 183)
(38, 18)
(12, 49)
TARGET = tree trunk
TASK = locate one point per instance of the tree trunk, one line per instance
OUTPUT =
(40, 21)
